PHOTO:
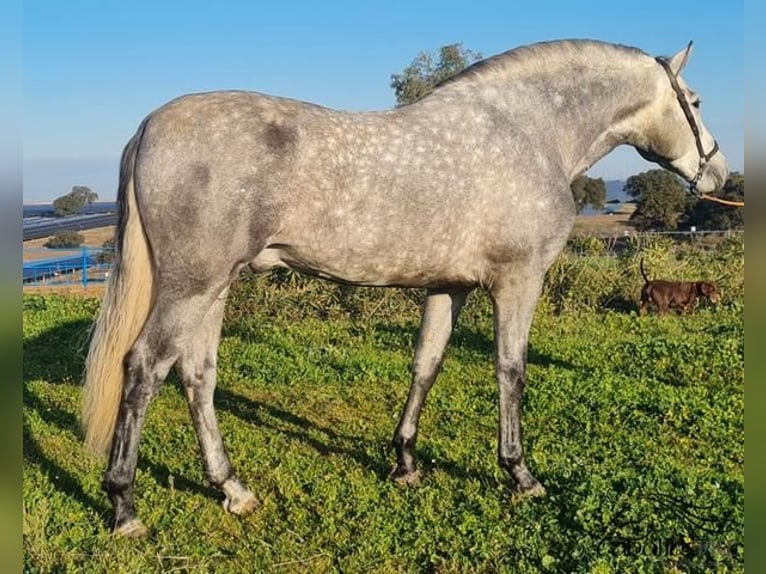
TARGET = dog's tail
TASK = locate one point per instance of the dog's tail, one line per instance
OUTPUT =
(643, 273)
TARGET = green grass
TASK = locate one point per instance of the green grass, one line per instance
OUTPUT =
(634, 425)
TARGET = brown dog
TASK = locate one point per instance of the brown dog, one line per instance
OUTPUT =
(681, 295)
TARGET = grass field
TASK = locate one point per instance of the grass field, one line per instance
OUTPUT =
(634, 425)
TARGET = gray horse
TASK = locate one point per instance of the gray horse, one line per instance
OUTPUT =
(466, 188)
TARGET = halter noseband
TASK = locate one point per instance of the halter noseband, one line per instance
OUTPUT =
(704, 157)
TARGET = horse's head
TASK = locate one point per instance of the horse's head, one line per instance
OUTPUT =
(673, 134)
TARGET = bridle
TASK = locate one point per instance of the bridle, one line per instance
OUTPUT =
(704, 157)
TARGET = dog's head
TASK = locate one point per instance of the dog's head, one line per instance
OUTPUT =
(709, 291)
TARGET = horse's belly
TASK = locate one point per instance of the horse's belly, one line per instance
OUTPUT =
(382, 268)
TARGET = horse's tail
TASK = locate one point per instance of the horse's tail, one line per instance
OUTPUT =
(643, 273)
(124, 310)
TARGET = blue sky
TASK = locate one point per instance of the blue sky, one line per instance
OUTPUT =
(93, 69)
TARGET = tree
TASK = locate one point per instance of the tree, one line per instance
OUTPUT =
(709, 215)
(106, 256)
(74, 201)
(83, 194)
(428, 70)
(66, 205)
(65, 239)
(588, 191)
(660, 199)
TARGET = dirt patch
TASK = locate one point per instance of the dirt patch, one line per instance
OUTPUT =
(35, 248)
(615, 224)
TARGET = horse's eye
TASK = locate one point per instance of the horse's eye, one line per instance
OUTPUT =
(696, 103)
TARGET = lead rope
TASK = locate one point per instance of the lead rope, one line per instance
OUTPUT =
(719, 200)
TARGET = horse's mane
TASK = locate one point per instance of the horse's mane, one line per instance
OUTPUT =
(518, 61)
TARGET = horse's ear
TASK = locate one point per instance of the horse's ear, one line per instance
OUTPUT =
(678, 61)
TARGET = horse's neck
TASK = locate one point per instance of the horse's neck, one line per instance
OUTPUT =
(608, 119)
(583, 116)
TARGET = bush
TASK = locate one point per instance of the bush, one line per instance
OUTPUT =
(587, 245)
(107, 254)
(285, 292)
(66, 205)
(65, 239)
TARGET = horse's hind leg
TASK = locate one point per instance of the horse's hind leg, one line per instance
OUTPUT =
(169, 328)
(439, 317)
(197, 367)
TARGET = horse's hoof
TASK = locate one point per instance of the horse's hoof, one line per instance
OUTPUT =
(242, 505)
(405, 478)
(132, 529)
(239, 500)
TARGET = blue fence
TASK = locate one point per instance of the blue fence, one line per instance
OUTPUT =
(82, 265)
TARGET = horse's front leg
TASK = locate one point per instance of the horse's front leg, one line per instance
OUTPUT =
(514, 304)
(440, 314)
